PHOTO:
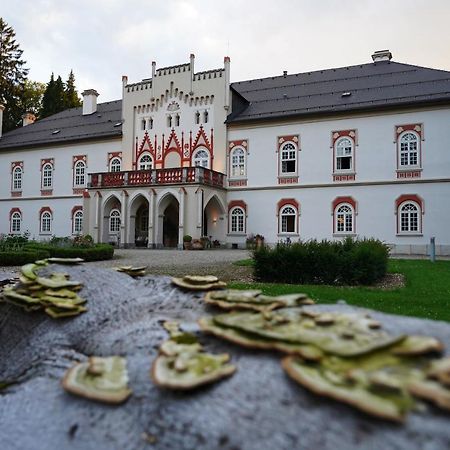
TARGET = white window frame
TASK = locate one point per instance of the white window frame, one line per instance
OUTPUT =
(77, 222)
(16, 219)
(401, 214)
(286, 211)
(115, 163)
(17, 176)
(287, 156)
(144, 165)
(46, 220)
(115, 221)
(47, 176)
(408, 152)
(338, 145)
(79, 174)
(341, 218)
(238, 163)
(201, 161)
(237, 220)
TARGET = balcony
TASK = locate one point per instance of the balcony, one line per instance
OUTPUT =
(157, 177)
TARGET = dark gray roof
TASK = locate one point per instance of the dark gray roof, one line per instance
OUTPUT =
(385, 84)
(72, 126)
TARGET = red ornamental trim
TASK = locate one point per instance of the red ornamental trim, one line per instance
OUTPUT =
(16, 164)
(242, 143)
(45, 209)
(14, 210)
(287, 180)
(237, 183)
(292, 138)
(412, 198)
(16, 193)
(173, 144)
(352, 134)
(237, 203)
(146, 147)
(47, 161)
(201, 139)
(114, 155)
(46, 192)
(77, 158)
(338, 200)
(77, 208)
(344, 177)
(86, 194)
(409, 174)
(288, 201)
(78, 191)
(416, 127)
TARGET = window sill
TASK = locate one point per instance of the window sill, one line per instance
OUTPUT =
(409, 169)
(237, 234)
(45, 233)
(409, 235)
(344, 234)
(288, 234)
(344, 172)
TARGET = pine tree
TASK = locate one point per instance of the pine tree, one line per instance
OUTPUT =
(71, 95)
(12, 77)
(59, 95)
(48, 99)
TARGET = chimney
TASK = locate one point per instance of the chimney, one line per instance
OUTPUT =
(89, 101)
(284, 73)
(1, 118)
(28, 118)
(381, 55)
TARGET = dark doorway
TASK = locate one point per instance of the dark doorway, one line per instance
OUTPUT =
(170, 225)
(141, 227)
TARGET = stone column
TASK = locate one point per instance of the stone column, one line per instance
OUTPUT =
(181, 200)
(124, 218)
(151, 218)
(199, 194)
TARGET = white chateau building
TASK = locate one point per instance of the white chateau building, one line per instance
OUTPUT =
(358, 151)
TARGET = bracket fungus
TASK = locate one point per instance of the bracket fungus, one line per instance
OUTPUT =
(199, 282)
(101, 379)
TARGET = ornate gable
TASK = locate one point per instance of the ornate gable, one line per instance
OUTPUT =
(201, 139)
(173, 142)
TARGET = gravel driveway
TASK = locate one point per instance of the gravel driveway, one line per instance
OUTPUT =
(178, 262)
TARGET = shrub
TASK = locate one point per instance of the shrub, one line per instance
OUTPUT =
(346, 262)
(97, 252)
(18, 258)
(187, 238)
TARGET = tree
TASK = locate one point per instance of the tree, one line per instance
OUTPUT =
(71, 95)
(32, 97)
(48, 99)
(13, 75)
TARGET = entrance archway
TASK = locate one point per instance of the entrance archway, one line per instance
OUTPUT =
(139, 221)
(170, 224)
(111, 221)
(214, 225)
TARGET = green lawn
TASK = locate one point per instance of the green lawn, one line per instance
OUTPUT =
(426, 294)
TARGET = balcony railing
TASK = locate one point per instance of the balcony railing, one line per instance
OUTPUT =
(155, 177)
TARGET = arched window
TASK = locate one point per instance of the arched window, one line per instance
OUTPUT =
(288, 158)
(77, 222)
(47, 176)
(197, 117)
(201, 158)
(177, 120)
(409, 149)
(409, 218)
(237, 162)
(237, 220)
(145, 162)
(150, 123)
(46, 222)
(114, 221)
(143, 124)
(115, 165)
(169, 120)
(288, 219)
(344, 218)
(205, 117)
(344, 154)
(16, 222)
(79, 173)
(17, 179)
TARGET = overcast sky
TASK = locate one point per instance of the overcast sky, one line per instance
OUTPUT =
(101, 40)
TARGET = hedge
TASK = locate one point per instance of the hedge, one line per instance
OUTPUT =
(347, 262)
(96, 253)
(18, 258)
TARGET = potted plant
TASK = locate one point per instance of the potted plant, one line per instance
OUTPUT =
(187, 242)
(197, 244)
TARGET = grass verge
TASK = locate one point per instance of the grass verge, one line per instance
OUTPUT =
(426, 294)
